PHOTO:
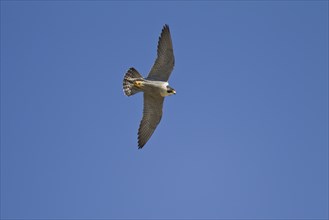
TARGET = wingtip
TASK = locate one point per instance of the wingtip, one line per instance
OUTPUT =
(165, 26)
(139, 142)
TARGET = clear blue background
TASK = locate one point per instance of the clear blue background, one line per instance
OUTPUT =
(246, 136)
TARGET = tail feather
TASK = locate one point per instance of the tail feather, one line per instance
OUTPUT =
(128, 82)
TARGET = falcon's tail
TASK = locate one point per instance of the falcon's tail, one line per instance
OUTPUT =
(128, 82)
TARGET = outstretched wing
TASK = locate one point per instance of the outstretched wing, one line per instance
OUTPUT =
(152, 114)
(164, 63)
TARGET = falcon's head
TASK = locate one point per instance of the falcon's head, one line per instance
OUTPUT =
(170, 91)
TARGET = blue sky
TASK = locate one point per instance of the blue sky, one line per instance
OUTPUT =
(246, 136)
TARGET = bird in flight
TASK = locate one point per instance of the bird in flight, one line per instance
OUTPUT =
(155, 86)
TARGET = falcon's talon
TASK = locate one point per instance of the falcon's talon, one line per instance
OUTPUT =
(138, 84)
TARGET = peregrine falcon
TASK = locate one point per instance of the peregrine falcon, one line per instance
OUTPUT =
(155, 86)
